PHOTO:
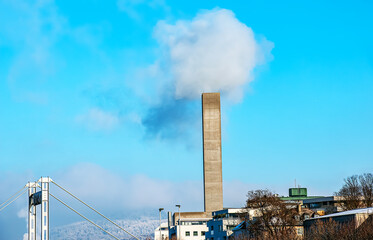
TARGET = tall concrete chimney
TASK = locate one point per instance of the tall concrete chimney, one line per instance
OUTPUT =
(212, 164)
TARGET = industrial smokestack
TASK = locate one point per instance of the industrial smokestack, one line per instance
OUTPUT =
(212, 157)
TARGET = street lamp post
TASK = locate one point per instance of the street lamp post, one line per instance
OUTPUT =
(160, 227)
(178, 206)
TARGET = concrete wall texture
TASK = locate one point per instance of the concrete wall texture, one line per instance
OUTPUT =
(212, 158)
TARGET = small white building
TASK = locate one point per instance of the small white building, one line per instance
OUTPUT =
(192, 229)
(191, 226)
(161, 233)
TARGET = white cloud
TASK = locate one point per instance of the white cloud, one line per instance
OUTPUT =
(22, 213)
(213, 52)
(97, 119)
(128, 192)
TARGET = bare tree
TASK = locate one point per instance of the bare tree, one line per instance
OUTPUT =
(332, 230)
(366, 184)
(351, 193)
(275, 219)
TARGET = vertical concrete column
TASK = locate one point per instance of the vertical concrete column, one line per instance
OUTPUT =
(31, 212)
(212, 156)
(45, 208)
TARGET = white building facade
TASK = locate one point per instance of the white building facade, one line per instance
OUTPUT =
(189, 229)
(161, 233)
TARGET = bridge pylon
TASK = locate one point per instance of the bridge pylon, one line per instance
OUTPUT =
(38, 198)
(31, 212)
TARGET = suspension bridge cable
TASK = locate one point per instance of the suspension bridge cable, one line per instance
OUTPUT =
(94, 210)
(13, 200)
(83, 216)
(12, 196)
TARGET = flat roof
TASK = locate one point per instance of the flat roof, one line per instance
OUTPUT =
(190, 215)
(299, 198)
(230, 210)
(345, 213)
(323, 199)
(194, 219)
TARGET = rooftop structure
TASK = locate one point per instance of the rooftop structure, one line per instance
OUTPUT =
(298, 195)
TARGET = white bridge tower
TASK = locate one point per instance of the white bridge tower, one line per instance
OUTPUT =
(36, 198)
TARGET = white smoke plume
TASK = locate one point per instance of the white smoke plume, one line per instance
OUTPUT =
(214, 52)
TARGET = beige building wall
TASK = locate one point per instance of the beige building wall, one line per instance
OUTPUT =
(212, 160)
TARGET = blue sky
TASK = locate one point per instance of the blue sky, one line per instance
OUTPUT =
(91, 85)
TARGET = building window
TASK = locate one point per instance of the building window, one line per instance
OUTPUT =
(300, 231)
(187, 233)
(220, 228)
(203, 233)
(212, 228)
(195, 233)
(230, 227)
